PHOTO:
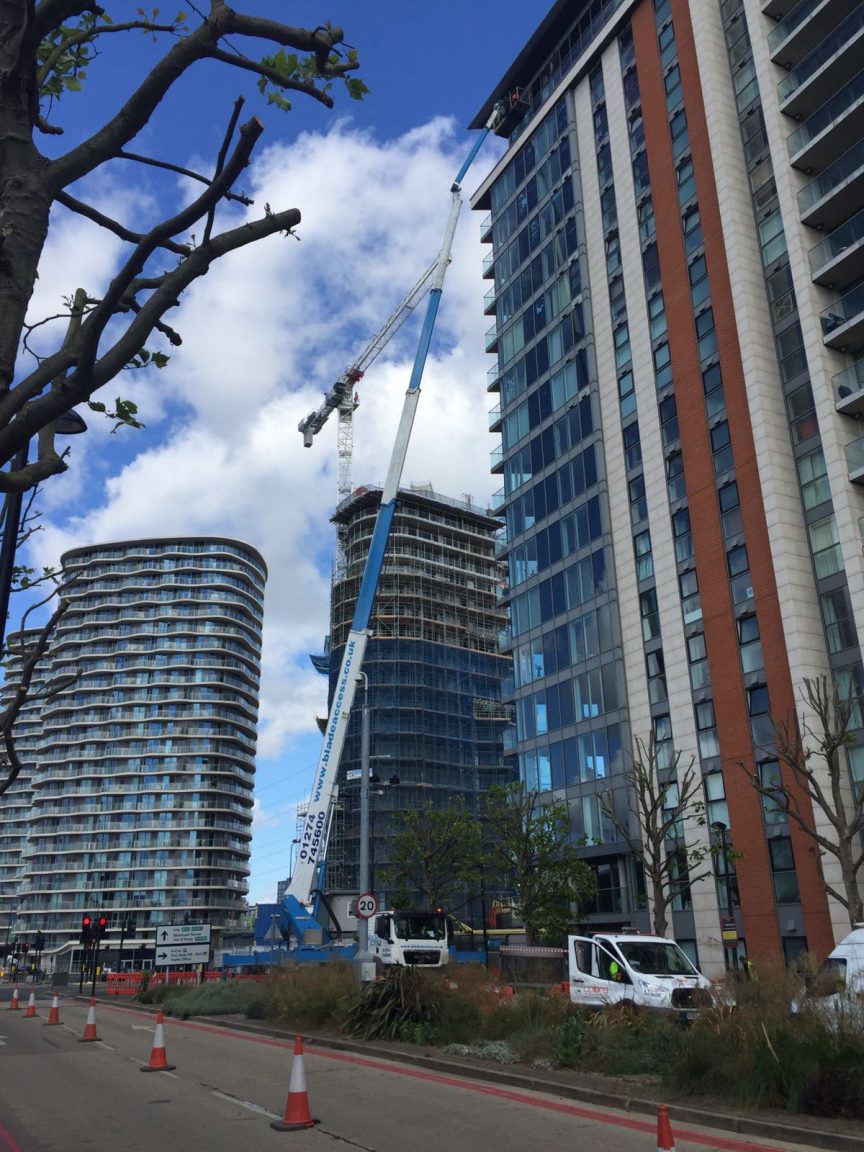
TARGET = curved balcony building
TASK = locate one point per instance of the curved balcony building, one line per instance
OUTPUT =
(15, 803)
(142, 785)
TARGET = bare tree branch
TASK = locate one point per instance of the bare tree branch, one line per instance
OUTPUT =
(817, 781)
(164, 164)
(114, 226)
(22, 692)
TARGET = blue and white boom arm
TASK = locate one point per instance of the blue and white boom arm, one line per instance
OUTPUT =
(313, 839)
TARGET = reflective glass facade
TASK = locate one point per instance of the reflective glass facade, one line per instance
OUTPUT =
(681, 484)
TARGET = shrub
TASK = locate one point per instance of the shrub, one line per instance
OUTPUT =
(310, 995)
(760, 1055)
(217, 998)
(396, 1006)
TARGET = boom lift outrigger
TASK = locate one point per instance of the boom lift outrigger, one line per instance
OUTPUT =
(313, 839)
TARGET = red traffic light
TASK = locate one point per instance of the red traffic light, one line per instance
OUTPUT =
(85, 921)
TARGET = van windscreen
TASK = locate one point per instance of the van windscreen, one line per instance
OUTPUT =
(656, 958)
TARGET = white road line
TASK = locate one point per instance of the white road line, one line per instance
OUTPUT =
(245, 1104)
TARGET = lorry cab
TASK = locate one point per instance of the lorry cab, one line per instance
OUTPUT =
(647, 971)
(408, 938)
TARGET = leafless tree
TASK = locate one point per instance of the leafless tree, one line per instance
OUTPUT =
(660, 801)
(47, 50)
(810, 751)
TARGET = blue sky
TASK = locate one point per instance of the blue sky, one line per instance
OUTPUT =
(269, 330)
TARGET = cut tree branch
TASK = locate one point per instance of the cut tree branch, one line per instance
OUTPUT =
(114, 226)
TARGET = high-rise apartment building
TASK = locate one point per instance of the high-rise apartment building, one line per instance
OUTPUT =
(677, 231)
(437, 725)
(16, 802)
(141, 771)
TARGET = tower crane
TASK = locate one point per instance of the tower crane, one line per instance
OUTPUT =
(300, 897)
(342, 398)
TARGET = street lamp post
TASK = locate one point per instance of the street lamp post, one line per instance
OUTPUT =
(364, 961)
(719, 827)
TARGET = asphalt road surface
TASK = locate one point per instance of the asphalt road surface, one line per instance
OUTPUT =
(58, 1094)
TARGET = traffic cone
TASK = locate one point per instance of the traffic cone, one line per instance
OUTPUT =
(158, 1059)
(90, 1025)
(31, 1006)
(13, 1003)
(665, 1139)
(54, 1014)
(297, 1114)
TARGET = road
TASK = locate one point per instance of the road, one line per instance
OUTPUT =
(58, 1094)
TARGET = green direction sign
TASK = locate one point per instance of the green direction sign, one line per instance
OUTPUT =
(182, 934)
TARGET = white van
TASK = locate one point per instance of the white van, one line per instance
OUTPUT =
(648, 971)
(838, 989)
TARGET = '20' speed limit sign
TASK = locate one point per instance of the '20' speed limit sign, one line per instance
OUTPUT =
(367, 905)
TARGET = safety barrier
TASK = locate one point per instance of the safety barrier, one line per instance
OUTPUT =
(128, 983)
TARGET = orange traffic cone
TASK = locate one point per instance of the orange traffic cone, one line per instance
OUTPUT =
(31, 1006)
(13, 1003)
(54, 1014)
(158, 1059)
(665, 1139)
(297, 1114)
(90, 1025)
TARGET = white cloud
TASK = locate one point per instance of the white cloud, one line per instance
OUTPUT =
(264, 334)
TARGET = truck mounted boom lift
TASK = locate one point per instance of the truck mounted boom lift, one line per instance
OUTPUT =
(313, 839)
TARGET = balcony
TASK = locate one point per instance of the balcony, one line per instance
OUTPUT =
(505, 636)
(492, 339)
(777, 9)
(824, 70)
(495, 418)
(843, 322)
(809, 20)
(839, 260)
(493, 379)
(489, 303)
(849, 390)
(831, 130)
(496, 460)
(836, 193)
(855, 461)
(486, 230)
(489, 266)
(497, 504)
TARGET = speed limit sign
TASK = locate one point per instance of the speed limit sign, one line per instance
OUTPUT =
(367, 905)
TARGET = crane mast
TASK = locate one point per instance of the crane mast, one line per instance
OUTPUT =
(313, 839)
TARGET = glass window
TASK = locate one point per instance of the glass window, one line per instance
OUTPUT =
(813, 477)
(675, 483)
(825, 544)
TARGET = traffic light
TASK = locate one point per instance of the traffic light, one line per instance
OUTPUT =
(25, 947)
(39, 942)
(100, 928)
(86, 929)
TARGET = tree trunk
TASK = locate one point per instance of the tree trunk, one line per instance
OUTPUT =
(24, 200)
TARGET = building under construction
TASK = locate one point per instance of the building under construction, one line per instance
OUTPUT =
(435, 675)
